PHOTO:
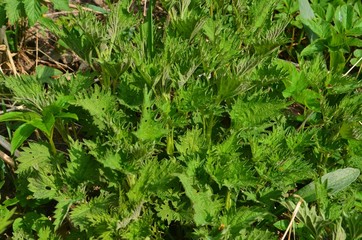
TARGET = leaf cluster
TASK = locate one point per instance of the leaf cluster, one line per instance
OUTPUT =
(186, 124)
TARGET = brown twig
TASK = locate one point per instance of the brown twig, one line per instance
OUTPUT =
(295, 212)
(5, 144)
(8, 160)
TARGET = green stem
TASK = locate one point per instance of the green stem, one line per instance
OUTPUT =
(228, 200)
(209, 127)
(150, 47)
(51, 142)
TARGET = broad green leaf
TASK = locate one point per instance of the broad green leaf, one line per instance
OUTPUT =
(99, 103)
(282, 224)
(61, 210)
(149, 129)
(45, 233)
(356, 32)
(336, 182)
(14, 10)
(210, 29)
(20, 135)
(344, 15)
(62, 5)
(31, 221)
(19, 116)
(255, 233)
(5, 218)
(43, 186)
(206, 208)
(306, 11)
(321, 28)
(34, 157)
(337, 61)
(330, 12)
(45, 72)
(357, 53)
(307, 14)
(67, 115)
(32, 10)
(191, 142)
(95, 8)
(316, 47)
(48, 121)
(309, 98)
(297, 83)
(81, 165)
(353, 42)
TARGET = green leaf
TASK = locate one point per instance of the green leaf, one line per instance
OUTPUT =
(80, 166)
(309, 98)
(336, 181)
(210, 29)
(344, 15)
(205, 207)
(45, 233)
(306, 11)
(32, 10)
(20, 135)
(45, 72)
(62, 5)
(5, 218)
(149, 129)
(357, 53)
(99, 103)
(47, 124)
(337, 61)
(96, 8)
(19, 116)
(67, 115)
(306, 14)
(34, 157)
(330, 13)
(321, 28)
(14, 10)
(282, 224)
(61, 210)
(43, 186)
(3, 16)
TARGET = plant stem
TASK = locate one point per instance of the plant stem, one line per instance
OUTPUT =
(150, 47)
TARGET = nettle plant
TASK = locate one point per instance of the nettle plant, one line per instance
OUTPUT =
(188, 126)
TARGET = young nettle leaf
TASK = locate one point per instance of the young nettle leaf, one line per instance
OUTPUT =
(205, 204)
(191, 142)
(100, 104)
(227, 168)
(80, 165)
(149, 183)
(34, 158)
(43, 186)
(45, 233)
(62, 210)
(150, 128)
